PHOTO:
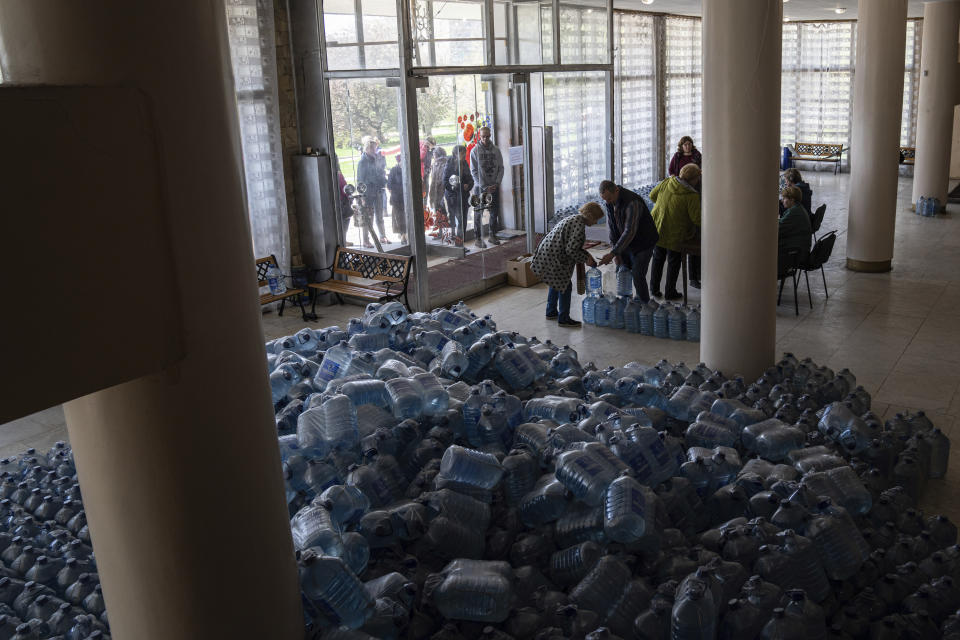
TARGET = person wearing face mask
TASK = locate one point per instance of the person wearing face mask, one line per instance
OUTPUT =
(457, 184)
(486, 165)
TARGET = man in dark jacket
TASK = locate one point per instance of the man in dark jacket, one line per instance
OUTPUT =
(633, 235)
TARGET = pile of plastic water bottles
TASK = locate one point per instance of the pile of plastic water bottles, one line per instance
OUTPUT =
(49, 586)
(449, 480)
(624, 311)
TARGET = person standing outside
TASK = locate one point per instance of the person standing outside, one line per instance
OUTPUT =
(372, 173)
(687, 153)
(486, 165)
(558, 253)
(457, 184)
(398, 216)
(633, 234)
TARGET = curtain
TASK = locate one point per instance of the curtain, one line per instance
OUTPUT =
(251, 37)
(636, 111)
(683, 81)
(911, 83)
(574, 104)
(817, 82)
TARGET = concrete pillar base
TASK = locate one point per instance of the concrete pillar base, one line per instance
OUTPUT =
(867, 266)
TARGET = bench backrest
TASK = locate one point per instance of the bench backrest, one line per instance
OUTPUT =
(263, 264)
(819, 149)
(372, 265)
(908, 152)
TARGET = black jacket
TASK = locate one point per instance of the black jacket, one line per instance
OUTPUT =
(631, 226)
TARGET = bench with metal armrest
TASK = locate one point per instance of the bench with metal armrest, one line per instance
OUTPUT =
(391, 273)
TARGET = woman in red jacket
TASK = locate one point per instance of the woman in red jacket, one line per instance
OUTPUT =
(686, 153)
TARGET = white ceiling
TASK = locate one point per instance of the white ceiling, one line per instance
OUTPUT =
(793, 9)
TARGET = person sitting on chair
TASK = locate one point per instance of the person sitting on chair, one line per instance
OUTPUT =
(792, 178)
(795, 230)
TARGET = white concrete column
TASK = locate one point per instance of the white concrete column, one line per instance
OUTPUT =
(877, 106)
(741, 131)
(180, 471)
(939, 92)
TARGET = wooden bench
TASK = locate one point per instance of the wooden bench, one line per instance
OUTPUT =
(908, 155)
(263, 265)
(391, 271)
(818, 152)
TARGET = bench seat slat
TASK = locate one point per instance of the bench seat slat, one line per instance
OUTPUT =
(267, 298)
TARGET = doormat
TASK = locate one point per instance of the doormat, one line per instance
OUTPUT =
(475, 265)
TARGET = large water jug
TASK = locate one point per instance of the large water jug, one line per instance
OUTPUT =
(618, 309)
(329, 584)
(675, 322)
(631, 315)
(589, 308)
(471, 467)
(475, 590)
(585, 475)
(546, 502)
(624, 281)
(660, 329)
(335, 362)
(645, 319)
(594, 282)
(693, 324)
(604, 311)
(694, 613)
(628, 510)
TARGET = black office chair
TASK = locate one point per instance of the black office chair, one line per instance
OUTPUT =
(817, 219)
(819, 255)
(788, 266)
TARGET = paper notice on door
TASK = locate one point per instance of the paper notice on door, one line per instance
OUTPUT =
(516, 156)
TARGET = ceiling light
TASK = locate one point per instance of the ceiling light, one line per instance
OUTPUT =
(839, 10)
(647, 1)
(786, 19)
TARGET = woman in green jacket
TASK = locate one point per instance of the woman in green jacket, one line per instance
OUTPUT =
(676, 213)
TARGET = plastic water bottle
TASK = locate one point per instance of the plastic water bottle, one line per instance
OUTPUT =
(569, 566)
(335, 362)
(453, 359)
(516, 370)
(546, 502)
(660, 329)
(645, 319)
(694, 614)
(628, 510)
(329, 584)
(594, 281)
(618, 309)
(693, 324)
(624, 282)
(588, 309)
(475, 590)
(585, 475)
(275, 280)
(675, 322)
(346, 504)
(406, 397)
(603, 314)
(631, 315)
(471, 467)
(363, 392)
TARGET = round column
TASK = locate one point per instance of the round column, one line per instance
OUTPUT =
(939, 84)
(180, 471)
(877, 106)
(741, 130)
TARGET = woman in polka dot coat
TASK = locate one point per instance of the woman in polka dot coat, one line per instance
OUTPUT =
(556, 257)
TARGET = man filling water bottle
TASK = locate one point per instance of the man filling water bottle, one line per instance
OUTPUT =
(633, 234)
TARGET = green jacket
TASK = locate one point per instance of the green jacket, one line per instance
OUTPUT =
(795, 231)
(676, 212)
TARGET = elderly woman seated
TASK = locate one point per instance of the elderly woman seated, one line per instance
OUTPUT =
(795, 230)
(792, 178)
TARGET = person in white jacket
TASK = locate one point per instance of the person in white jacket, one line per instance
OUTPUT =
(486, 166)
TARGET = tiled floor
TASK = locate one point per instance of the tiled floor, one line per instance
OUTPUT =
(899, 332)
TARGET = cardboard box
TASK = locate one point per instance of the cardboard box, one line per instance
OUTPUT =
(519, 272)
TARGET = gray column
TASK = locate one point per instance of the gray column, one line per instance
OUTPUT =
(180, 470)
(939, 92)
(877, 106)
(741, 127)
